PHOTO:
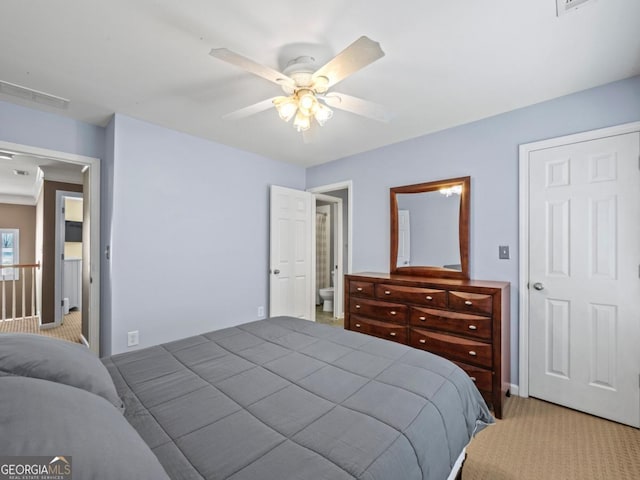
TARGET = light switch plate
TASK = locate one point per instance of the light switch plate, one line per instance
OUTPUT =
(503, 252)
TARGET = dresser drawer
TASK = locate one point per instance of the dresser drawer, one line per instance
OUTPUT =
(471, 302)
(449, 346)
(361, 289)
(385, 311)
(421, 296)
(389, 331)
(455, 322)
(480, 376)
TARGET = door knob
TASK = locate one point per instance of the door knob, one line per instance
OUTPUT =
(538, 286)
(276, 271)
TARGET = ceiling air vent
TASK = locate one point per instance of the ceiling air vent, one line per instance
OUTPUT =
(33, 95)
(564, 6)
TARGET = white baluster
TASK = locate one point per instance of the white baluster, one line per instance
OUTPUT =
(13, 296)
(33, 292)
(24, 292)
(4, 301)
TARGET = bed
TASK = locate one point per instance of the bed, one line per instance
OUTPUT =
(280, 398)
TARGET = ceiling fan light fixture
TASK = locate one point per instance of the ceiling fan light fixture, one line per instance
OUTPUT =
(322, 114)
(302, 122)
(286, 106)
(307, 102)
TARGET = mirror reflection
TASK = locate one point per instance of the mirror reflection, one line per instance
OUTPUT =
(428, 229)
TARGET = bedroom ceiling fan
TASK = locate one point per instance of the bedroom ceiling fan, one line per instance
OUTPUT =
(307, 87)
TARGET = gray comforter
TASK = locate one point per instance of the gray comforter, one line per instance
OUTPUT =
(285, 398)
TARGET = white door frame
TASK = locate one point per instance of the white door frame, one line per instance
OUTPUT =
(525, 150)
(94, 205)
(348, 185)
(337, 295)
(336, 259)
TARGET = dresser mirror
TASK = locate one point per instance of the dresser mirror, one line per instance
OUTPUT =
(430, 228)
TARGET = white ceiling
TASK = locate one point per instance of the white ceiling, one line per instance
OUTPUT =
(24, 189)
(447, 62)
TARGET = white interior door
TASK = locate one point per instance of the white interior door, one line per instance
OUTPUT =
(584, 256)
(290, 279)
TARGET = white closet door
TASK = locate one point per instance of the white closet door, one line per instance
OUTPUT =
(584, 287)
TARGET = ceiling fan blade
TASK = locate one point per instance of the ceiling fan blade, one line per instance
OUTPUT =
(358, 55)
(251, 66)
(251, 109)
(358, 106)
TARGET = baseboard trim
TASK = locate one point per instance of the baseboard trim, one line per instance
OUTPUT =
(48, 326)
(514, 390)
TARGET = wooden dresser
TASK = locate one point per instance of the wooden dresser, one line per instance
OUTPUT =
(466, 321)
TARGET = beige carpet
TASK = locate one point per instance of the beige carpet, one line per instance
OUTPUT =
(539, 440)
(70, 329)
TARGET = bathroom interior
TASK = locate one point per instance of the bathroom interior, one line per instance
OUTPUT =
(327, 255)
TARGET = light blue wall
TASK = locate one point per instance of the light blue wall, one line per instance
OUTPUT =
(186, 219)
(189, 233)
(46, 130)
(166, 195)
(487, 150)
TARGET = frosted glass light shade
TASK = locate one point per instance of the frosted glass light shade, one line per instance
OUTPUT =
(286, 106)
(302, 122)
(322, 114)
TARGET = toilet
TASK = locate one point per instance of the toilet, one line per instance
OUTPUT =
(326, 294)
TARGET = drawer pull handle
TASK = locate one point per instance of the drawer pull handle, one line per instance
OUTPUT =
(472, 353)
(357, 306)
(422, 340)
(429, 297)
(473, 379)
(393, 334)
(468, 302)
(393, 312)
(387, 292)
(472, 327)
(359, 289)
(422, 319)
(357, 325)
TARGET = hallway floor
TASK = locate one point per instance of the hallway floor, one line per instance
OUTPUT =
(70, 329)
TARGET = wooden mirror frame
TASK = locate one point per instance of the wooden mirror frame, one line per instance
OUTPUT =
(463, 229)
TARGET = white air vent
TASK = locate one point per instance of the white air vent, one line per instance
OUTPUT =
(33, 95)
(564, 6)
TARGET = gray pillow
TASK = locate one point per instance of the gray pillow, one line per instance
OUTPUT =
(30, 355)
(43, 418)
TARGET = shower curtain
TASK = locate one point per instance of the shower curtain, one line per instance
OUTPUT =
(322, 254)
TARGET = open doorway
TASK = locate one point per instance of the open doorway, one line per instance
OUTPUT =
(333, 209)
(45, 238)
(68, 268)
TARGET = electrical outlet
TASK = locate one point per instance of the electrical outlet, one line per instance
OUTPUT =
(260, 312)
(503, 252)
(133, 338)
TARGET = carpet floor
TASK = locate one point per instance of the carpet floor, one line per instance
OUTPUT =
(539, 440)
(70, 329)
